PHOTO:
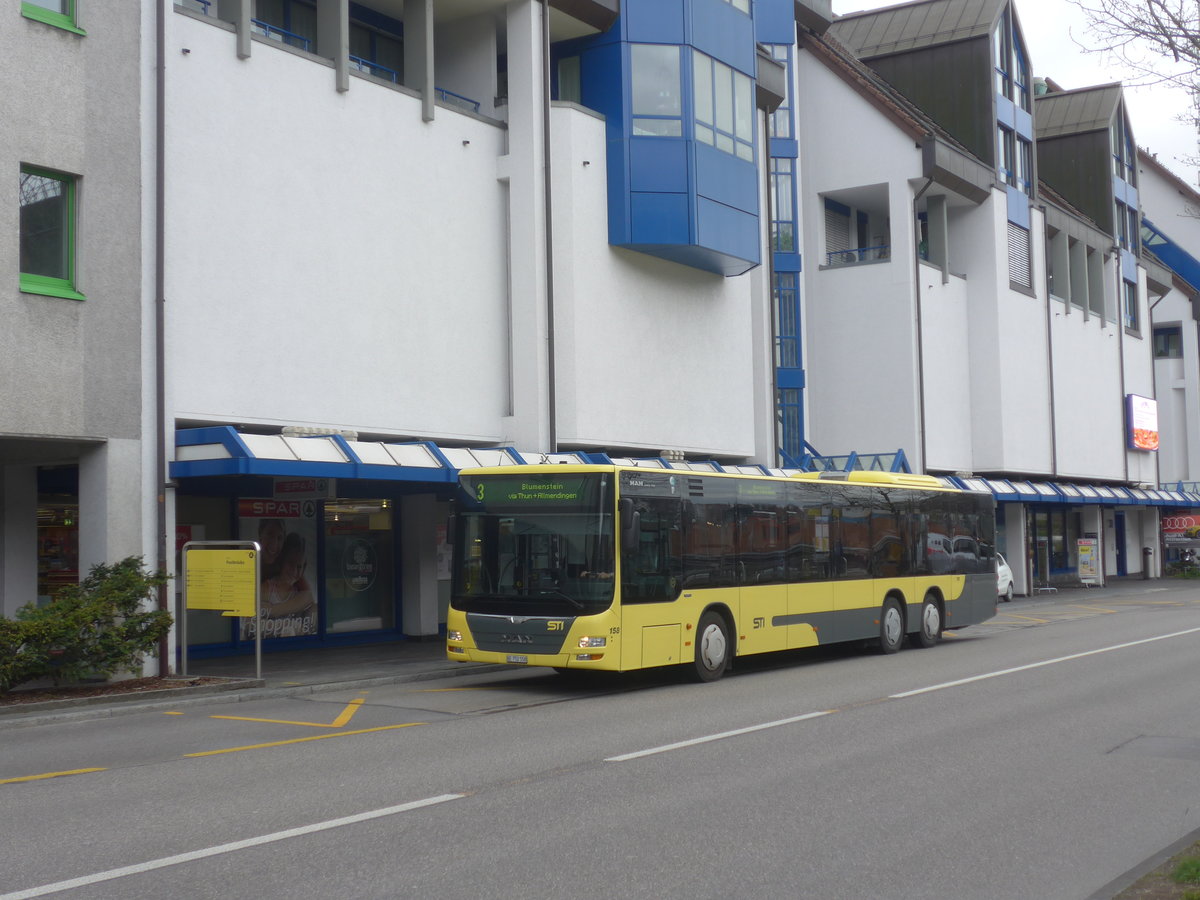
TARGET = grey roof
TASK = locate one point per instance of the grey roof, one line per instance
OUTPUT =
(909, 26)
(1076, 112)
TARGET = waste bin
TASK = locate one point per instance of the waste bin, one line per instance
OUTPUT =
(1146, 554)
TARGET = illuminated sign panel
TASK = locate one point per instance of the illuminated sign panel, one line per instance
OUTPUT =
(1141, 422)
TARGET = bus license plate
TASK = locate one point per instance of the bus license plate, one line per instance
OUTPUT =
(524, 660)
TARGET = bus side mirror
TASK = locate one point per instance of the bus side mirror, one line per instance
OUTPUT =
(631, 526)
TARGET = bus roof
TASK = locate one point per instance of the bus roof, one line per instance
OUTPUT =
(857, 476)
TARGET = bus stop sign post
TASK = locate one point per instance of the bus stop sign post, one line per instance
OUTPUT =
(223, 576)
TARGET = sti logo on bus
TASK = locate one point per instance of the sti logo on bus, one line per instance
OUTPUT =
(554, 626)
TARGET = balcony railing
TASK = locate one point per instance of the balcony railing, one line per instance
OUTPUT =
(856, 255)
(200, 6)
(373, 68)
(275, 33)
(457, 100)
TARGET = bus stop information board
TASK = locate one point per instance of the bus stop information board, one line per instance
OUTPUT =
(222, 580)
(221, 576)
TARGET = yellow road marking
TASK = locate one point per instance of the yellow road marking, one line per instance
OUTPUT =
(1093, 608)
(45, 775)
(314, 737)
(343, 718)
(172, 714)
(1027, 618)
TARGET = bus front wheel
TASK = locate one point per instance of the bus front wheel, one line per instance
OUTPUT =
(891, 626)
(712, 647)
(930, 631)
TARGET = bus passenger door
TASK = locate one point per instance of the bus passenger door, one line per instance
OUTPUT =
(810, 619)
(763, 590)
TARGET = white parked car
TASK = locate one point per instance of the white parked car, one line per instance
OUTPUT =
(1004, 579)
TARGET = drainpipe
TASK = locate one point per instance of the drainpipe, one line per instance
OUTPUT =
(920, 334)
(160, 432)
(1050, 363)
(547, 191)
(1121, 339)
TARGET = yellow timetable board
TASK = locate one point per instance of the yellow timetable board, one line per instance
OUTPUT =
(222, 580)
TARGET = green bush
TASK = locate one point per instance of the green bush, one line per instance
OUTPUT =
(98, 627)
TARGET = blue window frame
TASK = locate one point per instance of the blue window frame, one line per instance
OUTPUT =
(1130, 306)
(724, 108)
(780, 122)
(656, 95)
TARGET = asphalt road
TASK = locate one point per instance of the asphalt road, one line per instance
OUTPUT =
(1040, 755)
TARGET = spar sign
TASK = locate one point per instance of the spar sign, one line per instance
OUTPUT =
(1181, 529)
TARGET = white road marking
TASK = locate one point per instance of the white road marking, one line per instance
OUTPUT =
(666, 748)
(712, 737)
(1036, 665)
(165, 861)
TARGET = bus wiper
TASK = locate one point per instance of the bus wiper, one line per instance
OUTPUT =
(555, 592)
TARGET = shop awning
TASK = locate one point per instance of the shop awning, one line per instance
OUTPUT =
(223, 450)
(1016, 491)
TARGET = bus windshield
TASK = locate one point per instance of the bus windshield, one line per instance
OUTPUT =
(534, 545)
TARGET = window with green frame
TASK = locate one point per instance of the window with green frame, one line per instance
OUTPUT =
(59, 13)
(47, 202)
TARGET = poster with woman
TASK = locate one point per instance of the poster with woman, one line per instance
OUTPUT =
(286, 530)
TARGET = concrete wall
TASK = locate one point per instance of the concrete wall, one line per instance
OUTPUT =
(75, 372)
(649, 354)
(339, 261)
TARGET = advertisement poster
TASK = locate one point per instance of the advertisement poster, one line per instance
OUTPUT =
(1142, 421)
(287, 532)
(1181, 530)
(1089, 560)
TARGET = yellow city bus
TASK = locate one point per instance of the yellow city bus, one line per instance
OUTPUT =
(616, 568)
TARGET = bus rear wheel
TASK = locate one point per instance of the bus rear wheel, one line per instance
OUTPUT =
(930, 631)
(712, 647)
(891, 626)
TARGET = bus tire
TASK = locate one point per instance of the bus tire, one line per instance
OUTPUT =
(712, 647)
(929, 631)
(891, 626)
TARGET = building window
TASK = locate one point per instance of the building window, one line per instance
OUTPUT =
(376, 52)
(289, 21)
(724, 106)
(59, 13)
(1168, 343)
(1124, 155)
(780, 122)
(654, 82)
(1011, 62)
(1130, 305)
(47, 202)
(1020, 271)
(1014, 159)
(742, 5)
(783, 215)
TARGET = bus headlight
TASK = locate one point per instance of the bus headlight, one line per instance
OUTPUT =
(585, 642)
(454, 635)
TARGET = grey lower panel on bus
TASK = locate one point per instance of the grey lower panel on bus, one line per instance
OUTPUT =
(977, 603)
(833, 627)
(527, 634)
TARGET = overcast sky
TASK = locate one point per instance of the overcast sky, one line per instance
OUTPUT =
(1054, 29)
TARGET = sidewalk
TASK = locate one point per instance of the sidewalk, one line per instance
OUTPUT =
(289, 673)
